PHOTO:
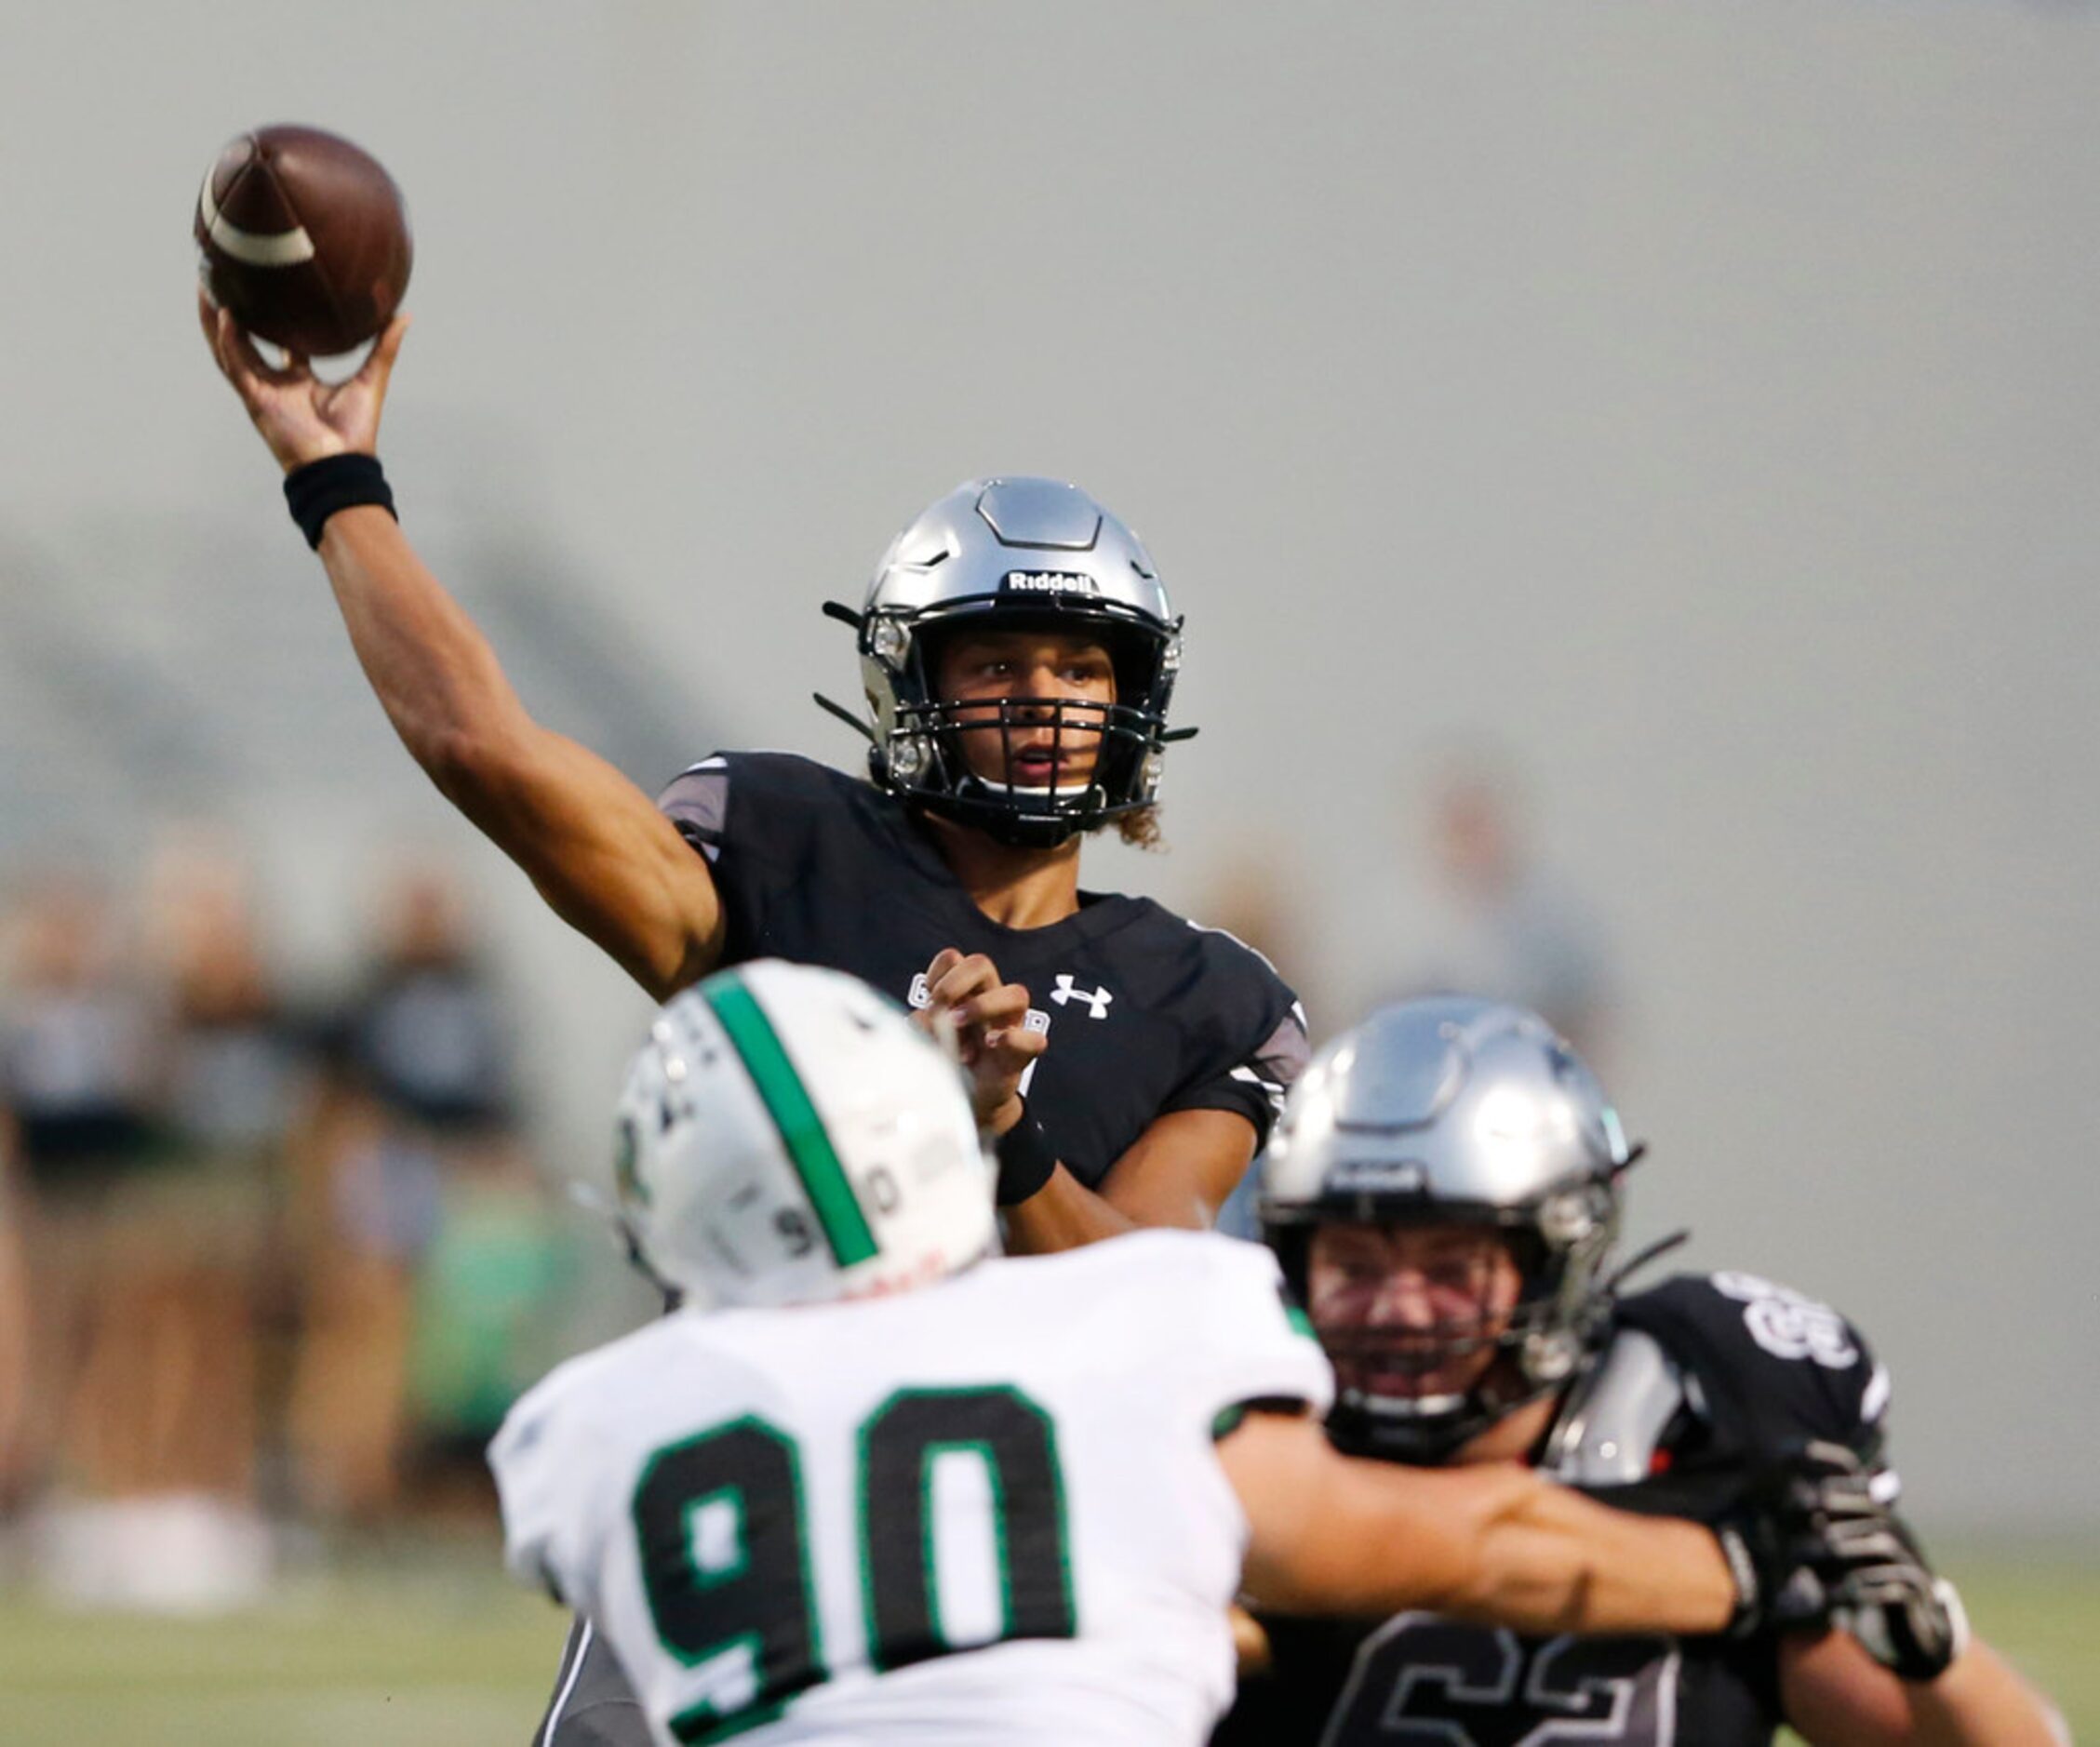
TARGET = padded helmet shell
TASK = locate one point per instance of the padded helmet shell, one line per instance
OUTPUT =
(1457, 1111)
(1017, 553)
(788, 1135)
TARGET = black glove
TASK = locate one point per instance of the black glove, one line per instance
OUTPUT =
(1881, 1588)
(1771, 1556)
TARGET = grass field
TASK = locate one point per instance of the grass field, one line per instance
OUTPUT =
(430, 1647)
(434, 1649)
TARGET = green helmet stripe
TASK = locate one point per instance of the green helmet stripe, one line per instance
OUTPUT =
(802, 1129)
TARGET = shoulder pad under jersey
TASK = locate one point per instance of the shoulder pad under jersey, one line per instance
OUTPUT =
(1615, 1420)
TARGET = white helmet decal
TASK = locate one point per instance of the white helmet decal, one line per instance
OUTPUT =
(788, 1135)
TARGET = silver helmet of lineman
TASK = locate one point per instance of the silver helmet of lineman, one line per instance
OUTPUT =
(1452, 1111)
(788, 1135)
(1015, 554)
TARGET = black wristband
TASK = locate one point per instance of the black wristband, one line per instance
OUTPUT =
(1027, 1160)
(335, 482)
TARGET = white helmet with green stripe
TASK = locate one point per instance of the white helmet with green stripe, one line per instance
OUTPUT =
(788, 1135)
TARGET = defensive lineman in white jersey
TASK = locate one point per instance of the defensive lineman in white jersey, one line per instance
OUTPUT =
(871, 1484)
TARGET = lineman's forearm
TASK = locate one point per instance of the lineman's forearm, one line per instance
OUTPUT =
(1494, 1543)
(1551, 1560)
(432, 670)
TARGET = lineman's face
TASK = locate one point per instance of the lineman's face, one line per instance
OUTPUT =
(1410, 1313)
(1039, 747)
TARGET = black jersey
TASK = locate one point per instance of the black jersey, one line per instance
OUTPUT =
(1698, 1381)
(1145, 1013)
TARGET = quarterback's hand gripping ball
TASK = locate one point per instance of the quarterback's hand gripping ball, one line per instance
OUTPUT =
(302, 237)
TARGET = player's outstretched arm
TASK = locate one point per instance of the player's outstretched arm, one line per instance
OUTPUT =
(595, 844)
(1494, 1543)
(599, 851)
(1836, 1695)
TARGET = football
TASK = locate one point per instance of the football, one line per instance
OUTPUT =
(304, 238)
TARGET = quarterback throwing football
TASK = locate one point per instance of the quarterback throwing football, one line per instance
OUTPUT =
(875, 1484)
(1018, 653)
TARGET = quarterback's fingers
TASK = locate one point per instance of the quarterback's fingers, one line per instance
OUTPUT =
(1013, 1048)
(239, 366)
(938, 1023)
(941, 974)
(207, 319)
(249, 370)
(965, 979)
(244, 368)
(378, 365)
(994, 1007)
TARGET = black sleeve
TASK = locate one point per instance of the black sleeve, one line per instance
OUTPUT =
(697, 801)
(1248, 1044)
(761, 819)
(1766, 1369)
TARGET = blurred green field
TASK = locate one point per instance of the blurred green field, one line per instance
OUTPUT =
(427, 1647)
(2040, 1607)
(434, 1649)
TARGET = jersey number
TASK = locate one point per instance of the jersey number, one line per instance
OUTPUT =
(725, 1546)
(1425, 1680)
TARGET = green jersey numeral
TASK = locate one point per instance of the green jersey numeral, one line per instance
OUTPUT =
(724, 1538)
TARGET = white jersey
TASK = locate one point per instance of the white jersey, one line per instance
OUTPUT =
(987, 1511)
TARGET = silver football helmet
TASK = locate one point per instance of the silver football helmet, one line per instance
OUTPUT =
(1453, 1112)
(1015, 554)
(788, 1135)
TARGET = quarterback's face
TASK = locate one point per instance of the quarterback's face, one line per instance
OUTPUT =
(1411, 1312)
(1034, 743)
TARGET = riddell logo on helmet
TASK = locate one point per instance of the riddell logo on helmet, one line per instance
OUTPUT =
(1051, 582)
(1378, 1177)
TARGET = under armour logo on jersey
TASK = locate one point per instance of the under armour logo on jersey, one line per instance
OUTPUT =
(1097, 1000)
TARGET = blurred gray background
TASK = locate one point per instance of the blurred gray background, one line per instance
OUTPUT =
(1698, 403)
